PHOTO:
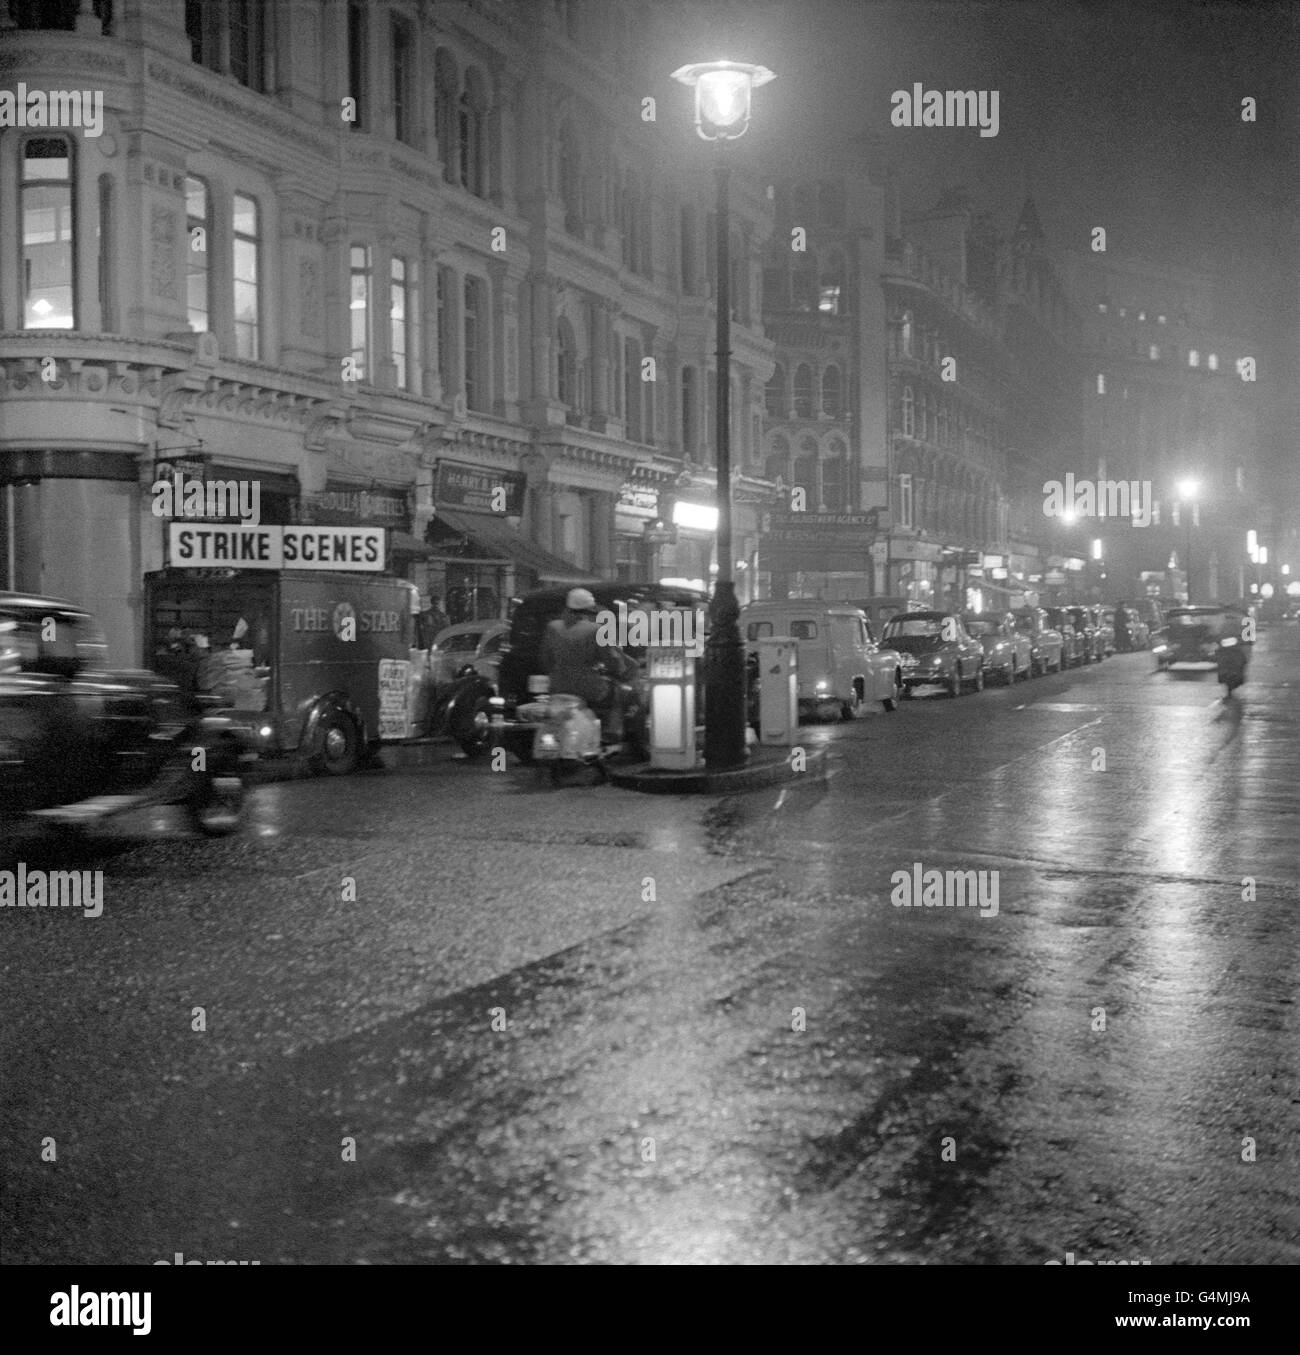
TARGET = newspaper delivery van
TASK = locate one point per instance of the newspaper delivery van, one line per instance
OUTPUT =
(319, 664)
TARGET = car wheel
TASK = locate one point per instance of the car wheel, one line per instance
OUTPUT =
(891, 702)
(852, 708)
(216, 808)
(474, 727)
(337, 745)
(954, 682)
(1012, 674)
(979, 678)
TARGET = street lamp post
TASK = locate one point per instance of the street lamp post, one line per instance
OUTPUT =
(1187, 493)
(722, 99)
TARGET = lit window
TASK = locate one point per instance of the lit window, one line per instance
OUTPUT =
(360, 311)
(909, 412)
(404, 317)
(1160, 319)
(1142, 316)
(1101, 383)
(1212, 362)
(1123, 313)
(1193, 358)
(198, 276)
(1102, 307)
(47, 234)
(1154, 353)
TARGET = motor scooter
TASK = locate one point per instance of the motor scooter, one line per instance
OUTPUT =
(1230, 658)
(569, 734)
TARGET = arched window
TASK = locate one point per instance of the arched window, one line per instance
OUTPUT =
(830, 291)
(774, 394)
(566, 359)
(777, 465)
(446, 86)
(833, 470)
(909, 412)
(46, 195)
(805, 472)
(803, 391)
(832, 393)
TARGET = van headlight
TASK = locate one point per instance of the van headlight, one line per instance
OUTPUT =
(823, 686)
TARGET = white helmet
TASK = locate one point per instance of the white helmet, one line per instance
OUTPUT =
(580, 600)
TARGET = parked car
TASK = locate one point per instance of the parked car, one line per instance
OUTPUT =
(475, 644)
(1137, 629)
(1046, 643)
(80, 742)
(841, 667)
(1103, 618)
(1074, 642)
(937, 651)
(1085, 623)
(1190, 638)
(496, 701)
(1007, 652)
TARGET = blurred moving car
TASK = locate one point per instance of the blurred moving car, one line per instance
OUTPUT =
(937, 652)
(1007, 651)
(1152, 613)
(80, 743)
(476, 644)
(841, 667)
(1046, 644)
(1191, 637)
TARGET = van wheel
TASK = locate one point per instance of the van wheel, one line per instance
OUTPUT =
(337, 745)
(852, 708)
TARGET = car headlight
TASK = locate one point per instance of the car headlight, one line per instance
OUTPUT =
(1228, 640)
(823, 686)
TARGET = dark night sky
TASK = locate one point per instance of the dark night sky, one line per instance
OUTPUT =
(1125, 115)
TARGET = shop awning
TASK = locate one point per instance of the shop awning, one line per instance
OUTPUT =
(496, 536)
(403, 543)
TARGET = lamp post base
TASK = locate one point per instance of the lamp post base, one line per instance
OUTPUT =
(724, 683)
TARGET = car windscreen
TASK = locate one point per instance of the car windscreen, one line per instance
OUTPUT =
(912, 627)
(978, 626)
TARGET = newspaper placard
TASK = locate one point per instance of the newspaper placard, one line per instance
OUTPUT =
(393, 675)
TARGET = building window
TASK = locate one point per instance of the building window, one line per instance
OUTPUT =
(475, 344)
(404, 119)
(905, 501)
(632, 389)
(833, 480)
(566, 366)
(1212, 362)
(774, 394)
(441, 288)
(906, 336)
(1153, 352)
(831, 286)
(246, 277)
(570, 180)
(198, 274)
(107, 255)
(203, 28)
(56, 14)
(358, 83)
(909, 412)
(404, 311)
(804, 286)
(805, 473)
(1160, 319)
(469, 131)
(48, 234)
(445, 84)
(1101, 383)
(248, 42)
(1102, 307)
(1193, 358)
(360, 312)
(832, 393)
(689, 398)
(803, 391)
(1142, 317)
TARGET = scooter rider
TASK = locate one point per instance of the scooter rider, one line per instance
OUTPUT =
(578, 664)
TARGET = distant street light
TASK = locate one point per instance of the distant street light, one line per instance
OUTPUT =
(722, 98)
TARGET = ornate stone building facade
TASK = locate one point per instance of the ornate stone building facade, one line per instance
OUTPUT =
(387, 260)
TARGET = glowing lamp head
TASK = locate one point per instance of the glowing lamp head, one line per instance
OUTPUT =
(722, 95)
(1187, 488)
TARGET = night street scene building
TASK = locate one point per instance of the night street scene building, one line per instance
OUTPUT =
(1011, 321)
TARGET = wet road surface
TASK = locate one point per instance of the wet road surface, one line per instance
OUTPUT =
(457, 1015)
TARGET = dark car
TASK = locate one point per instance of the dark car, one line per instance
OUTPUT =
(1075, 643)
(936, 650)
(1046, 644)
(521, 659)
(80, 742)
(1190, 638)
(1006, 650)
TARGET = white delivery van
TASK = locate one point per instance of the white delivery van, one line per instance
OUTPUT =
(841, 667)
